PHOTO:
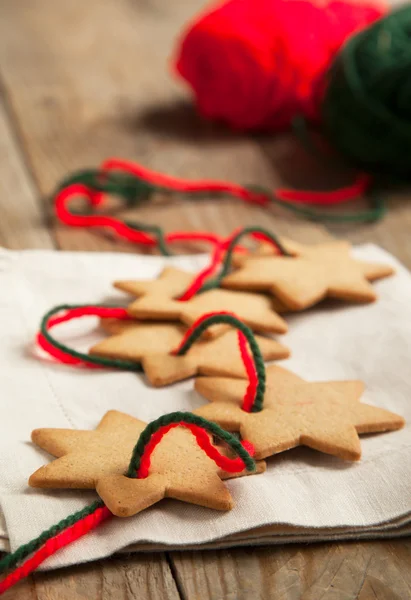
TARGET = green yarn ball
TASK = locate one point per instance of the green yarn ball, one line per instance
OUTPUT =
(367, 106)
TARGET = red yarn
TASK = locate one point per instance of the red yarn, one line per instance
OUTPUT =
(216, 260)
(178, 184)
(211, 186)
(122, 230)
(119, 227)
(201, 277)
(231, 465)
(75, 313)
(196, 324)
(257, 64)
(250, 392)
(95, 198)
(211, 268)
(54, 544)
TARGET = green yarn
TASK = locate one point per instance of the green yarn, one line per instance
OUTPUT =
(185, 417)
(157, 231)
(137, 367)
(367, 106)
(130, 188)
(11, 560)
(134, 190)
(226, 264)
(255, 350)
(126, 365)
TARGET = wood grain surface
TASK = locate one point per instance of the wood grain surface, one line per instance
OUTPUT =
(82, 81)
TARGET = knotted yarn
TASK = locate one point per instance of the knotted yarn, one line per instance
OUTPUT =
(255, 65)
(366, 112)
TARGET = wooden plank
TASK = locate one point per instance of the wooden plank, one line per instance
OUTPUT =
(22, 223)
(121, 578)
(392, 232)
(29, 64)
(351, 571)
(89, 80)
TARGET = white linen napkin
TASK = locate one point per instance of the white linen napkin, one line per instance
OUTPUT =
(304, 495)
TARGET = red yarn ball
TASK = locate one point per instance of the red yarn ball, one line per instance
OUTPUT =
(255, 64)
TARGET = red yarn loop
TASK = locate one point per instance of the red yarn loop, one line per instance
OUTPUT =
(256, 65)
(231, 465)
(94, 198)
(69, 315)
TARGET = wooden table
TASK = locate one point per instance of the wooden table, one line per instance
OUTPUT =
(82, 81)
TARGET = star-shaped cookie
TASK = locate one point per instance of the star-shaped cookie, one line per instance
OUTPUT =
(152, 344)
(326, 270)
(255, 310)
(99, 459)
(171, 283)
(157, 300)
(293, 248)
(326, 416)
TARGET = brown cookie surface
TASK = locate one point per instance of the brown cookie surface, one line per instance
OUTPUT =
(98, 460)
(255, 310)
(152, 344)
(326, 416)
(171, 283)
(311, 274)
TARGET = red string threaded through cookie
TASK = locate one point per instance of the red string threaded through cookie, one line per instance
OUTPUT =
(66, 355)
(66, 537)
(203, 440)
(79, 524)
(254, 365)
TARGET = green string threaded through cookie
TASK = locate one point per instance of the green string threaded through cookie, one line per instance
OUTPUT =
(69, 311)
(11, 560)
(98, 509)
(63, 349)
(263, 233)
(206, 321)
(185, 417)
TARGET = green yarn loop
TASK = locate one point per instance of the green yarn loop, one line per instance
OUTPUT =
(226, 264)
(185, 417)
(255, 350)
(11, 560)
(366, 110)
(126, 365)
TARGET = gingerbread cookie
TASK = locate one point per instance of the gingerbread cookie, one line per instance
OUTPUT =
(177, 468)
(171, 283)
(158, 300)
(326, 270)
(255, 310)
(153, 343)
(325, 416)
(293, 248)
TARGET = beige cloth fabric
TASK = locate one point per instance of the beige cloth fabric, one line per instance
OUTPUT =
(303, 495)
